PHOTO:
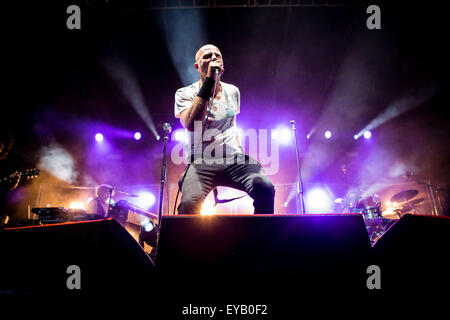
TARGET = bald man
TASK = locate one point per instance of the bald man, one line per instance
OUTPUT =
(207, 109)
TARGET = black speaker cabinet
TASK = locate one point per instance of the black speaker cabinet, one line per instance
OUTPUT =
(262, 257)
(413, 255)
(267, 243)
(40, 260)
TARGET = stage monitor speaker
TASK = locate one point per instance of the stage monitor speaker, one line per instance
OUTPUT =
(413, 255)
(100, 256)
(263, 243)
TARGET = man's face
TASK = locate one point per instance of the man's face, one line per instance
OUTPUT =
(205, 55)
(103, 194)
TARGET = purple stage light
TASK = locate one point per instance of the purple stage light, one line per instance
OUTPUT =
(99, 137)
(275, 134)
(283, 135)
(318, 200)
(180, 135)
(327, 134)
(137, 135)
(367, 134)
(145, 200)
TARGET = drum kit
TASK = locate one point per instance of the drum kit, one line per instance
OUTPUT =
(378, 221)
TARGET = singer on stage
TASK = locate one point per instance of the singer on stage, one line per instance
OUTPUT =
(213, 148)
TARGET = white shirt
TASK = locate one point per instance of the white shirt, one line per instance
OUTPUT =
(220, 135)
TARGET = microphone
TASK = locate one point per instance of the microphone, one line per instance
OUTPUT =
(292, 123)
(167, 128)
(217, 70)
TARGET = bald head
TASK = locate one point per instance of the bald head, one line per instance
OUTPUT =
(200, 51)
(206, 58)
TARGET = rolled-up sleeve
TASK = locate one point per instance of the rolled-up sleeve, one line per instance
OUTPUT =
(182, 101)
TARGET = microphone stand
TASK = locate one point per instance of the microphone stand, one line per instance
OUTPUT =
(167, 130)
(300, 201)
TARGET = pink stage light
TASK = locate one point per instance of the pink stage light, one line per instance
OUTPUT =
(99, 137)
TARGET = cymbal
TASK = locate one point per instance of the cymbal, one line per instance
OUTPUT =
(410, 205)
(413, 203)
(404, 195)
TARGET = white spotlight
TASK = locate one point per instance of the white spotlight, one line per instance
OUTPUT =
(147, 225)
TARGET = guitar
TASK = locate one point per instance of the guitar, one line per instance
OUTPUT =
(30, 174)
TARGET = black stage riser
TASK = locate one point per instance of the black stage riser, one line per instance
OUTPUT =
(223, 252)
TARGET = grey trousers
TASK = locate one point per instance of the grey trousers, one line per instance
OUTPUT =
(244, 174)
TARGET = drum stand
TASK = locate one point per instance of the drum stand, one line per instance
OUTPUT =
(433, 194)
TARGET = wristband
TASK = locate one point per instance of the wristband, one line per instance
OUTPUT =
(205, 90)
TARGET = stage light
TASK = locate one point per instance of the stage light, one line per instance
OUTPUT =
(99, 137)
(310, 133)
(180, 135)
(137, 135)
(76, 205)
(145, 200)
(327, 134)
(208, 208)
(147, 225)
(275, 134)
(367, 134)
(158, 138)
(283, 135)
(318, 200)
